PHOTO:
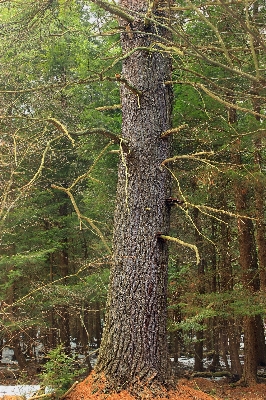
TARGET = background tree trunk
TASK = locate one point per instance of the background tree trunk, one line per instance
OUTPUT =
(134, 344)
(249, 266)
(198, 348)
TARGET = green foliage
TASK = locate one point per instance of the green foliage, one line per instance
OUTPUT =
(59, 59)
(59, 372)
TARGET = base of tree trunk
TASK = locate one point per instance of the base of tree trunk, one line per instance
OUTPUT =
(99, 385)
(147, 387)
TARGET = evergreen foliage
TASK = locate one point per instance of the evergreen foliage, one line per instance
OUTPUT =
(60, 62)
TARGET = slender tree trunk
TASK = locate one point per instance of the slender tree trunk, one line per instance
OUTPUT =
(226, 285)
(260, 210)
(134, 345)
(98, 324)
(216, 327)
(18, 353)
(198, 352)
(215, 322)
(249, 266)
(233, 336)
(224, 346)
(261, 230)
(198, 349)
(259, 192)
(248, 263)
(260, 338)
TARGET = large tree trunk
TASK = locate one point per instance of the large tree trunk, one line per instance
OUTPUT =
(134, 344)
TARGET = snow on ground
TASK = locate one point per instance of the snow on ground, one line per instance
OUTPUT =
(19, 390)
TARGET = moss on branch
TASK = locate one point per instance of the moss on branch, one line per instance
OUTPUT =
(114, 10)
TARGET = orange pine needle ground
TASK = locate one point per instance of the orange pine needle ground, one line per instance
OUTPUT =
(194, 389)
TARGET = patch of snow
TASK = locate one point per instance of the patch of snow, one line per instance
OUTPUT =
(19, 390)
(186, 361)
(7, 356)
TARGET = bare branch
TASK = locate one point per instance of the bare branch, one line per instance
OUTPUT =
(109, 108)
(114, 10)
(173, 131)
(194, 156)
(191, 246)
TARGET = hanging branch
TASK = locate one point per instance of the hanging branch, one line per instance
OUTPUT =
(173, 239)
(87, 174)
(61, 128)
(189, 156)
(82, 217)
(173, 131)
(28, 185)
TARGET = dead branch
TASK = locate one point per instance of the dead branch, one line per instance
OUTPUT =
(69, 390)
(109, 108)
(41, 396)
(173, 131)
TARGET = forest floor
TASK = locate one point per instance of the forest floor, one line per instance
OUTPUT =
(186, 389)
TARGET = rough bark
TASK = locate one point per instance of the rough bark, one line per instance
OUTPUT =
(260, 339)
(259, 192)
(248, 263)
(18, 353)
(134, 345)
(233, 336)
(261, 231)
(198, 352)
(226, 285)
(249, 266)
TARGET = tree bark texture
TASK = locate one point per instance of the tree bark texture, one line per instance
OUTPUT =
(134, 344)
(233, 336)
(248, 262)
(249, 265)
(261, 231)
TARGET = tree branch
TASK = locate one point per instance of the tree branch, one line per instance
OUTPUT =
(114, 9)
(188, 156)
(173, 130)
(173, 239)
(109, 108)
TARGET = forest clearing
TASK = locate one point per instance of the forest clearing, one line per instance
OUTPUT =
(132, 197)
